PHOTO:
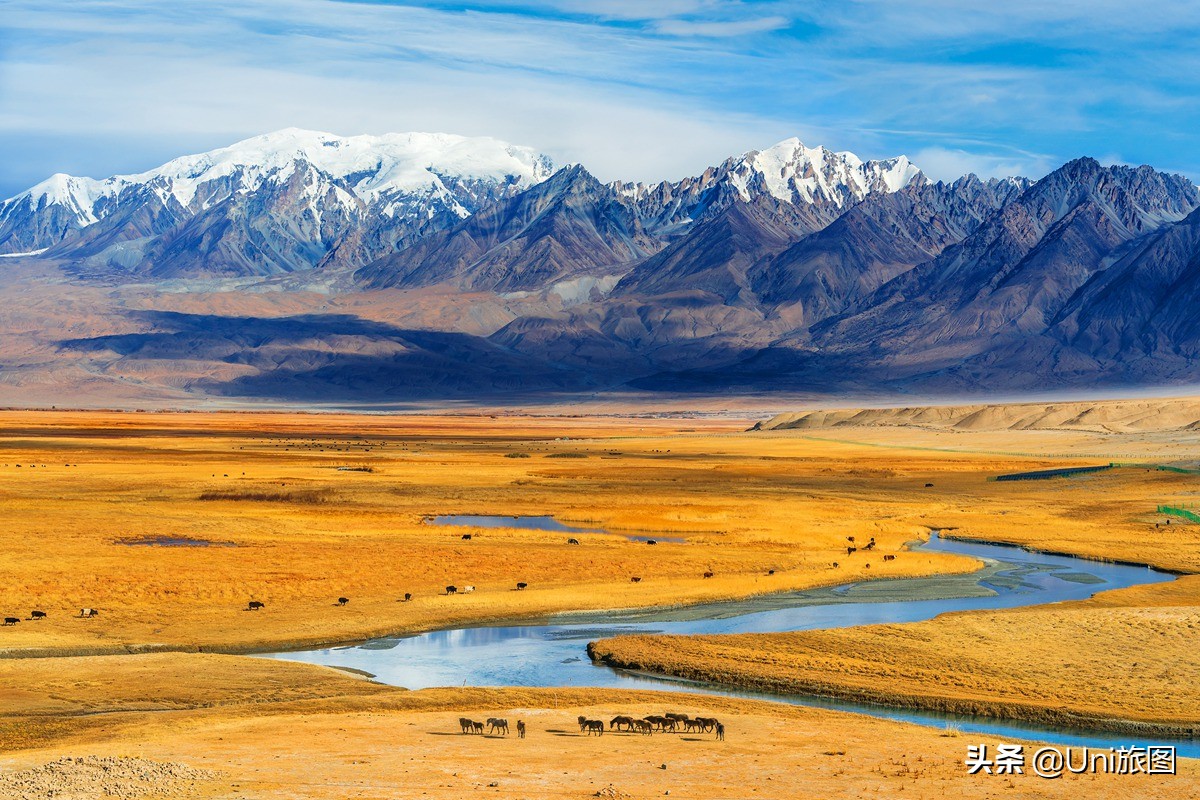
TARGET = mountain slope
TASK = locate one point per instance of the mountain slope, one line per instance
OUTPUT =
(567, 225)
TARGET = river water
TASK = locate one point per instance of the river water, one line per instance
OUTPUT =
(552, 653)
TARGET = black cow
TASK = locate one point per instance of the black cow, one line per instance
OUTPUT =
(407, 596)
(521, 586)
(255, 605)
(572, 541)
(88, 612)
(467, 536)
(635, 580)
(343, 600)
(37, 614)
(451, 590)
(11, 620)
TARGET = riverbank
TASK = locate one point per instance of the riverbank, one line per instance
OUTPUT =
(1115, 662)
(258, 728)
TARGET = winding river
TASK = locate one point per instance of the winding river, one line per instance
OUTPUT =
(551, 653)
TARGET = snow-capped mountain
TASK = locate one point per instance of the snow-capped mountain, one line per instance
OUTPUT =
(788, 171)
(311, 187)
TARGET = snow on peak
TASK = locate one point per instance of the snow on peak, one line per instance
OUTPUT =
(792, 172)
(375, 167)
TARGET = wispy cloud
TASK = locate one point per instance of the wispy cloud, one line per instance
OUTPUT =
(642, 89)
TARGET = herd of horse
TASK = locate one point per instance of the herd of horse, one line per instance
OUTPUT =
(492, 725)
(666, 723)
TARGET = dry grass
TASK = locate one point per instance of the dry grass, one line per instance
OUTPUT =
(332, 736)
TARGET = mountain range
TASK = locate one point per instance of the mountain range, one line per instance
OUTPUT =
(307, 267)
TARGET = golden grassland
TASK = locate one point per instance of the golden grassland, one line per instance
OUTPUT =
(309, 526)
(301, 509)
(273, 729)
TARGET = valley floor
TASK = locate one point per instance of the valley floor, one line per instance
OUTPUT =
(169, 524)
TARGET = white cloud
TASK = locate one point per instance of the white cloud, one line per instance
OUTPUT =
(947, 164)
(720, 29)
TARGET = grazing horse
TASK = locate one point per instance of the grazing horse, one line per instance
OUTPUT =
(37, 614)
(520, 729)
(521, 586)
(707, 723)
(708, 574)
(495, 724)
(253, 605)
(91, 612)
(635, 580)
(653, 719)
(582, 721)
(644, 727)
(343, 600)
(594, 726)
(676, 717)
(11, 620)
(477, 727)
(690, 725)
(407, 596)
(465, 724)
(720, 732)
(467, 536)
(616, 722)
(451, 590)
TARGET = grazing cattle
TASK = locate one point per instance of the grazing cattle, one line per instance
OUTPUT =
(343, 600)
(720, 732)
(616, 722)
(850, 539)
(867, 565)
(465, 724)
(468, 589)
(870, 546)
(467, 536)
(477, 727)
(407, 596)
(708, 574)
(835, 565)
(635, 580)
(521, 586)
(889, 558)
(651, 541)
(91, 612)
(929, 486)
(451, 590)
(520, 729)
(11, 620)
(37, 614)
(770, 572)
(572, 541)
(253, 605)
(593, 726)
(851, 550)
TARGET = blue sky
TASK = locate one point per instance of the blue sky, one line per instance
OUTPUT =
(637, 89)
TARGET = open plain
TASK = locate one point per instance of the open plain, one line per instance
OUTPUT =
(169, 525)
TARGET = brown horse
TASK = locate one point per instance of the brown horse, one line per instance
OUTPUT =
(616, 722)
(594, 726)
(520, 729)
